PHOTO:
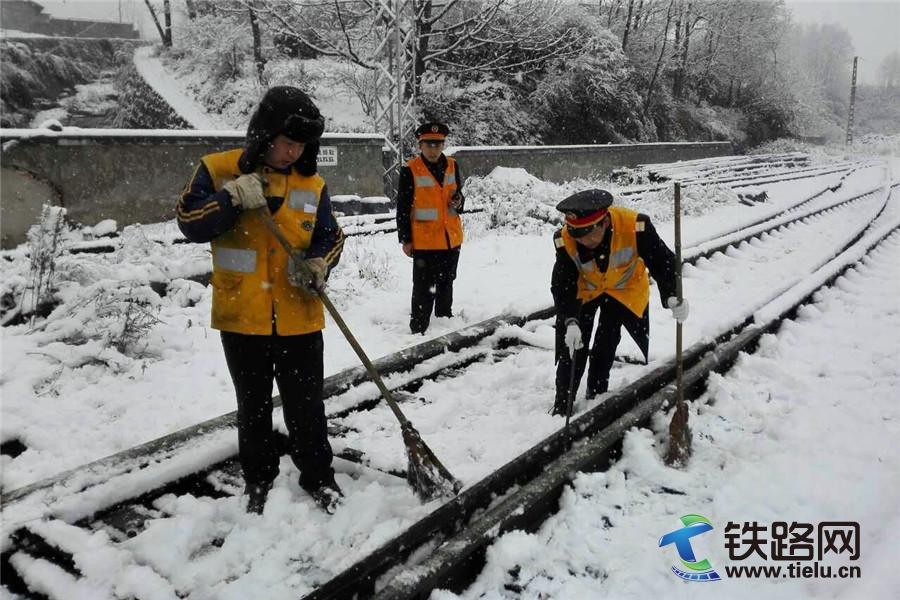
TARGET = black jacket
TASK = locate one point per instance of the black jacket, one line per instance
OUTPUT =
(406, 191)
(660, 261)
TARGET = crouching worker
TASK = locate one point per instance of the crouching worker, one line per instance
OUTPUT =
(603, 254)
(270, 317)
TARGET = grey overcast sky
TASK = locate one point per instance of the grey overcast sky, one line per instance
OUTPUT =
(874, 25)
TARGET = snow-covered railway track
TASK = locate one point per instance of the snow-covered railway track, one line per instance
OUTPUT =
(599, 428)
(667, 171)
(750, 179)
(786, 218)
(458, 558)
(474, 499)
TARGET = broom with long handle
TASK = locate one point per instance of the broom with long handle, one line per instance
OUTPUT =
(427, 475)
(679, 429)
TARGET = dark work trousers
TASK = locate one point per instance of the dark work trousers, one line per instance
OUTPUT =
(609, 331)
(433, 275)
(295, 362)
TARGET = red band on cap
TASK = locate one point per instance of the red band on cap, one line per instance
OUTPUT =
(588, 220)
(432, 136)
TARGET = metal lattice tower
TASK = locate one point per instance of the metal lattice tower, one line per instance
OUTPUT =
(395, 108)
(852, 103)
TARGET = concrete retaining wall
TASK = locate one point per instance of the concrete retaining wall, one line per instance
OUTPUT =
(135, 176)
(565, 163)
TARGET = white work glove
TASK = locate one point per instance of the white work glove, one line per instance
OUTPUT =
(680, 310)
(311, 278)
(573, 336)
(246, 191)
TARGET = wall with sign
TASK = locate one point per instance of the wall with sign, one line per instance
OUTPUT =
(135, 176)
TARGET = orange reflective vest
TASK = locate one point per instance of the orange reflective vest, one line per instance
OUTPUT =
(625, 278)
(435, 225)
(250, 268)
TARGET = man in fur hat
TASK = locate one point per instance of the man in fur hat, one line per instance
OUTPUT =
(269, 316)
(603, 255)
(429, 202)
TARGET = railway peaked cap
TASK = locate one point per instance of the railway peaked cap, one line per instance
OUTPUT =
(432, 131)
(585, 210)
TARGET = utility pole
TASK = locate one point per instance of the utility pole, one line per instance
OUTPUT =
(852, 103)
(395, 111)
(167, 14)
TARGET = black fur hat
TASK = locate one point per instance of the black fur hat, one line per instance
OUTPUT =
(289, 111)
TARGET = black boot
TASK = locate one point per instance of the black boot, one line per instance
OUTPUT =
(328, 495)
(560, 406)
(596, 389)
(256, 497)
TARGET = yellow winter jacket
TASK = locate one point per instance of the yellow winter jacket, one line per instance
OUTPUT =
(250, 268)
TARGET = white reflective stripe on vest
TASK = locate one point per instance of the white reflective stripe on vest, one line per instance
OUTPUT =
(621, 257)
(235, 259)
(305, 200)
(450, 179)
(626, 276)
(426, 214)
(585, 267)
(425, 181)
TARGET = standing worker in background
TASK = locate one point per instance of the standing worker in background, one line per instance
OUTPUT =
(429, 201)
(269, 315)
(602, 256)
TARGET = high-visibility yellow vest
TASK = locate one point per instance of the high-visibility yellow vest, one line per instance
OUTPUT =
(434, 222)
(625, 278)
(250, 268)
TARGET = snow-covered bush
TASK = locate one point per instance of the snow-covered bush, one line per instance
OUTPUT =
(695, 200)
(185, 293)
(37, 70)
(589, 99)
(118, 315)
(512, 200)
(214, 53)
(363, 263)
(485, 112)
(47, 242)
(140, 107)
